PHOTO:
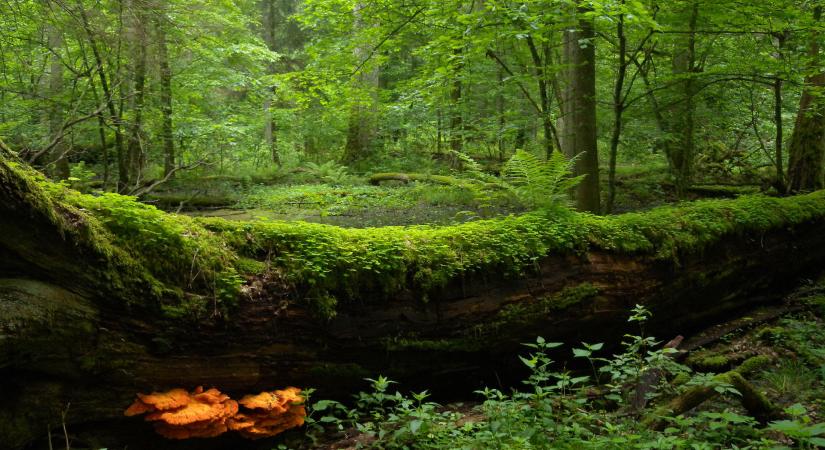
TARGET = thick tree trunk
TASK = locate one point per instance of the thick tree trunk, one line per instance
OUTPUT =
(806, 164)
(81, 332)
(580, 112)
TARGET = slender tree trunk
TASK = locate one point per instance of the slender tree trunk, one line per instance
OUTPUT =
(456, 119)
(544, 97)
(438, 127)
(165, 99)
(618, 109)
(59, 164)
(580, 110)
(806, 154)
(123, 172)
(502, 122)
(777, 118)
(269, 16)
(138, 43)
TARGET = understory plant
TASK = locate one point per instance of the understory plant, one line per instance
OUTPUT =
(562, 409)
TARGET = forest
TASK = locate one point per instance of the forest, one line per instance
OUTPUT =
(412, 224)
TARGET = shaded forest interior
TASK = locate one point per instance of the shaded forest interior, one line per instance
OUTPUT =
(265, 216)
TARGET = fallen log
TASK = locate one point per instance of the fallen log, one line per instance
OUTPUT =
(754, 402)
(101, 298)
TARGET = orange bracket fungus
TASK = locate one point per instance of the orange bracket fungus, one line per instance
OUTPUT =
(178, 414)
(270, 413)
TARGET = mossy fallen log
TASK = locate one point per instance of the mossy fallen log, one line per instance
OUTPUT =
(754, 402)
(102, 297)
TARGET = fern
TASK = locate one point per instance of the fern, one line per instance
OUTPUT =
(538, 183)
(329, 172)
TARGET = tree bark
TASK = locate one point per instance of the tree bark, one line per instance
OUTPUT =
(166, 132)
(456, 119)
(806, 154)
(138, 43)
(80, 329)
(681, 149)
(579, 111)
(618, 110)
(57, 159)
(114, 116)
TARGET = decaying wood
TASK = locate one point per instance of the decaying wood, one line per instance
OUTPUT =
(754, 402)
(69, 337)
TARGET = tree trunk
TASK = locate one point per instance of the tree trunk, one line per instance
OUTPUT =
(123, 170)
(580, 111)
(779, 40)
(268, 22)
(618, 110)
(82, 329)
(544, 97)
(681, 151)
(806, 163)
(165, 98)
(59, 163)
(361, 129)
(138, 43)
(456, 119)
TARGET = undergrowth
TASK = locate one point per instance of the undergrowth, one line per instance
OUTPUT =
(558, 409)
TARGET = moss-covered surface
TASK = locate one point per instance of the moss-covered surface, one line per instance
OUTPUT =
(331, 264)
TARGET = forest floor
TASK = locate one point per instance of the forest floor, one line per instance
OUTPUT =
(357, 204)
(786, 341)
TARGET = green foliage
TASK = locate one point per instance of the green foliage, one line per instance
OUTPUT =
(334, 264)
(540, 184)
(329, 172)
(558, 409)
(175, 250)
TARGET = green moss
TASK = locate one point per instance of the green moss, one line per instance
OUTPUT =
(249, 266)
(332, 265)
(770, 334)
(707, 361)
(441, 345)
(753, 364)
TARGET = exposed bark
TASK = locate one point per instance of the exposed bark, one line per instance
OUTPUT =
(72, 334)
(579, 111)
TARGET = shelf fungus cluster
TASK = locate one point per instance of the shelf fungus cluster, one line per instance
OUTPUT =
(178, 414)
(269, 413)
